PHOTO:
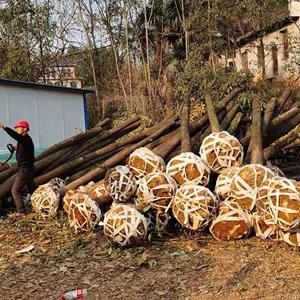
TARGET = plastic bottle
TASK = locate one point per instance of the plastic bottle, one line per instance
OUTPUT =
(76, 294)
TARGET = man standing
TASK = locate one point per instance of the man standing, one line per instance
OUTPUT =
(25, 162)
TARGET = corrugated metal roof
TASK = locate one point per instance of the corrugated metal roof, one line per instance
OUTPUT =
(35, 85)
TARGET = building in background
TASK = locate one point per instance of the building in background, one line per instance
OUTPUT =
(273, 51)
(63, 73)
(54, 112)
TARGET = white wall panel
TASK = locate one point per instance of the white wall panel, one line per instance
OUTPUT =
(53, 115)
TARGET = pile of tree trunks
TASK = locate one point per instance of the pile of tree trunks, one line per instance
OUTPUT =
(87, 156)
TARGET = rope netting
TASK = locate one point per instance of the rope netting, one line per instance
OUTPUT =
(124, 225)
(143, 161)
(157, 190)
(194, 206)
(220, 151)
(121, 183)
(188, 168)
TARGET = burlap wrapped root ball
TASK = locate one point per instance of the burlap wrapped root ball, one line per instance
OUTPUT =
(232, 222)
(84, 214)
(220, 151)
(143, 161)
(121, 183)
(45, 199)
(100, 195)
(223, 183)
(124, 225)
(157, 190)
(246, 182)
(265, 231)
(279, 203)
(188, 168)
(194, 206)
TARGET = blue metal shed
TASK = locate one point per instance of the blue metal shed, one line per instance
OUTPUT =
(54, 112)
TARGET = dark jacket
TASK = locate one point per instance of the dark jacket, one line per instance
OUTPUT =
(25, 148)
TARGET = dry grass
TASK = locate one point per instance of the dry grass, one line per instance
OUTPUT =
(180, 267)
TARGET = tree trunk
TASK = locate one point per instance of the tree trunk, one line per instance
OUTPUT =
(268, 115)
(184, 127)
(283, 98)
(283, 117)
(263, 59)
(214, 123)
(229, 117)
(235, 123)
(83, 159)
(282, 142)
(281, 130)
(256, 137)
(166, 148)
(101, 169)
(74, 139)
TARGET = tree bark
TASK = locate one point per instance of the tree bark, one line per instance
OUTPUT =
(74, 139)
(256, 137)
(83, 159)
(235, 123)
(184, 128)
(282, 142)
(281, 130)
(101, 169)
(229, 116)
(213, 119)
(283, 117)
(166, 148)
(283, 98)
(268, 115)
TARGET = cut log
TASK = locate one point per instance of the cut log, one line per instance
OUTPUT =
(4, 167)
(283, 117)
(256, 136)
(283, 98)
(235, 123)
(268, 115)
(96, 154)
(165, 149)
(278, 145)
(115, 131)
(274, 125)
(96, 143)
(74, 139)
(281, 130)
(184, 127)
(102, 168)
(229, 117)
(213, 119)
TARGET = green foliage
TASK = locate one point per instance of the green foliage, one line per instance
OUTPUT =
(26, 34)
(192, 80)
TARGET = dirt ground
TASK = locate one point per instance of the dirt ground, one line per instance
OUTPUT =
(175, 267)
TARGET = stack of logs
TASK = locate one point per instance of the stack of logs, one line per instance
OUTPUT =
(265, 139)
(88, 155)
